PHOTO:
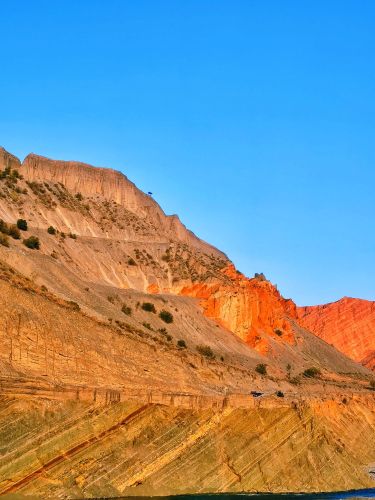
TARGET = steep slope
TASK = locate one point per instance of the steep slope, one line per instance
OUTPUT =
(348, 324)
(107, 236)
(129, 349)
(109, 233)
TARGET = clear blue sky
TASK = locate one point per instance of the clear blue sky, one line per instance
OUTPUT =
(253, 120)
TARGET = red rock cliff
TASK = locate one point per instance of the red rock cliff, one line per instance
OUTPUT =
(251, 308)
(348, 324)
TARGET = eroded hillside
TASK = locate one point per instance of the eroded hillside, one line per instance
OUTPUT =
(129, 349)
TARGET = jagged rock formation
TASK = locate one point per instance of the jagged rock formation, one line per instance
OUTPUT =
(348, 324)
(129, 347)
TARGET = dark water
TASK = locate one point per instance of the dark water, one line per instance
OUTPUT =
(347, 495)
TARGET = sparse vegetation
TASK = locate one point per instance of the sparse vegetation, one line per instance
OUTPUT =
(147, 325)
(148, 307)
(14, 232)
(312, 372)
(22, 224)
(260, 276)
(166, 316)
(4, 227)
(4, 240)
(79, 197)
(279, 394)
(261, 368)
(205, 350)
(73, 236)
(51, 230)
(32, 242)
(372, 385)
(181, 343)
(295, 380)
(126, 309)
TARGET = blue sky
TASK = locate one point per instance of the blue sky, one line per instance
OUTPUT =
(253, 120)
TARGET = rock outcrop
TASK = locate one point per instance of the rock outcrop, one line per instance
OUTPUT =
(348, 324)
(251, 308)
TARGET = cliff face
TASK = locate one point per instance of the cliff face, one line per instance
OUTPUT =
(111, 185)
(8, 160)
(348, 324)
(252, 308)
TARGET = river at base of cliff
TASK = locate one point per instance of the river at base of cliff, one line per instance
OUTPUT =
(344, 495)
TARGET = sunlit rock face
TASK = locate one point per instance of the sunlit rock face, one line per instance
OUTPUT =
(348, 324)
(251, 308)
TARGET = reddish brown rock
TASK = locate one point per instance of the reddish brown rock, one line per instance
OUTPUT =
(251, 308)
(348, 324)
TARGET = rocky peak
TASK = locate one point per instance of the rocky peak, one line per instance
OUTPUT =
(7, 160)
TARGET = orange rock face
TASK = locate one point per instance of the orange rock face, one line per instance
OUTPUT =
(348, 324)
(251, 308)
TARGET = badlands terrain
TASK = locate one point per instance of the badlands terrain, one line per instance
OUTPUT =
(130, 349)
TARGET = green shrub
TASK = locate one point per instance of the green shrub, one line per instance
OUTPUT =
(126, 309)
(181, 343)
(73, 236)
(147, 325)
(79, 197)
(169, 337)
(261, 369)
(149, 307)
(32, 242)
(166, 316)
(4, 240)
(131, 262)
(278, 332)
(312, 372)
(163, 331)
(51, 230)
(205, 350)
(22, 224)
(14, 232)
(372, 385)
(279, 394)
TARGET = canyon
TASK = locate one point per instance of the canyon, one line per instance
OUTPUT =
(130, 349)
